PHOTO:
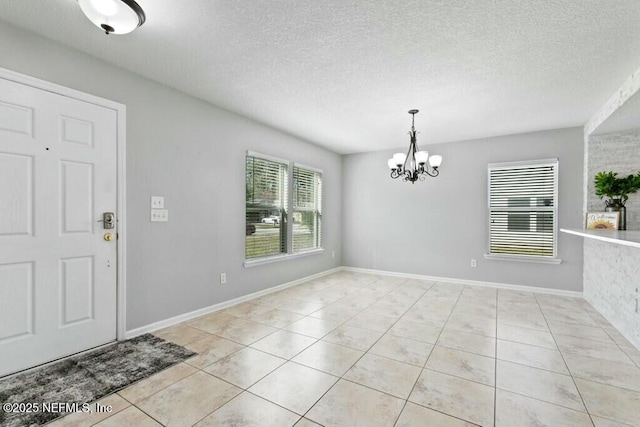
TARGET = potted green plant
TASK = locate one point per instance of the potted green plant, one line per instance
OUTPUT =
(617, 190)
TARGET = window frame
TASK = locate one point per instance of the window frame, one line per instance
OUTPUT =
(288, 215)
(554, 259)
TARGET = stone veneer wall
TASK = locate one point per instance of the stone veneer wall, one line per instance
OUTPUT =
(618, 152)
(629, 88)
(611, 272)
(611, 284)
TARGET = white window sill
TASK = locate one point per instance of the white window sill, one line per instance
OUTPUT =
(278, 258)
(523, 258)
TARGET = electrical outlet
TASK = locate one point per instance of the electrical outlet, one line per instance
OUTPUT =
(157, 202)
(223, 278)
(474, 263)
(159, 215)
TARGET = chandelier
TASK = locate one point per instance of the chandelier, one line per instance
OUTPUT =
(415, 165)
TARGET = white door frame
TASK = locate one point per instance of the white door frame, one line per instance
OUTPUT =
(121, 241)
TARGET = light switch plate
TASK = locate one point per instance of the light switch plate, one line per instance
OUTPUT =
(159, 215)
(157, 202)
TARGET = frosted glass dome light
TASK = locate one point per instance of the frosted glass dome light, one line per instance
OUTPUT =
(113, 16)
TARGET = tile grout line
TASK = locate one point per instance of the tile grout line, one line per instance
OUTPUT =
(243, 389)
(619, 346)
(535, 367)
(430, 353)
(341, 377)
(370, 347)
(367, 351)
(565, 363)
(545, 401)
(153, 394)
(290, 359)
(564, 374)
(286, 360)
(423, 365)
(146, 413)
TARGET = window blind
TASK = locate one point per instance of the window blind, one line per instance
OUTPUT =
(266, 207)
(307, 209)
(523, 209)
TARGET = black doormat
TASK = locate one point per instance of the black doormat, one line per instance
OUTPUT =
(83, 379)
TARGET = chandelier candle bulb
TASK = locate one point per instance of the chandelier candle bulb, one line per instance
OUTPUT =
(399, 158)
(416, 164)
(435, 161)
(422, 156)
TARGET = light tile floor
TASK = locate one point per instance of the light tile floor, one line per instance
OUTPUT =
(354, 349)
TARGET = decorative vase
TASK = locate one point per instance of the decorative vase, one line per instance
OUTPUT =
(617, 205)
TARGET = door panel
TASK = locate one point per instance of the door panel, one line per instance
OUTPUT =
(16, 118)
(76, 131)
(16, 300)
(57, 273)
(16, 193)
(76, 197)
(76, 290)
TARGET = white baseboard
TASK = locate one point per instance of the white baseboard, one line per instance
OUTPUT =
(216, 307)
(468, 282)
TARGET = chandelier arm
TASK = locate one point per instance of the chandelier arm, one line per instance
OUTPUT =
(409, 154)
(433, 174)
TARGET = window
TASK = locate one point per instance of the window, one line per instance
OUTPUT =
(307, 208)
(266, 207)
(271, 233)
(523, 210)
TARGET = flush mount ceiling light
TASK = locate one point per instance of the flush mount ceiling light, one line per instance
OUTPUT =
(415, 165)
(113, 16)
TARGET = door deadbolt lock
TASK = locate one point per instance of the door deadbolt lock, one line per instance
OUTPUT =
(108, 220)
(108, 237)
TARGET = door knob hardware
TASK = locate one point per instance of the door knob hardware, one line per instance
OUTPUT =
(108, 220)
(108, 237)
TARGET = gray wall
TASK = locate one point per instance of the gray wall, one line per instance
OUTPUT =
(437, 226)
(193, 154)
(617, 152)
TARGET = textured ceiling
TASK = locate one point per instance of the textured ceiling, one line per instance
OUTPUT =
(343, 73)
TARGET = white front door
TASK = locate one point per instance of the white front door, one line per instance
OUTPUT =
(57, 272)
